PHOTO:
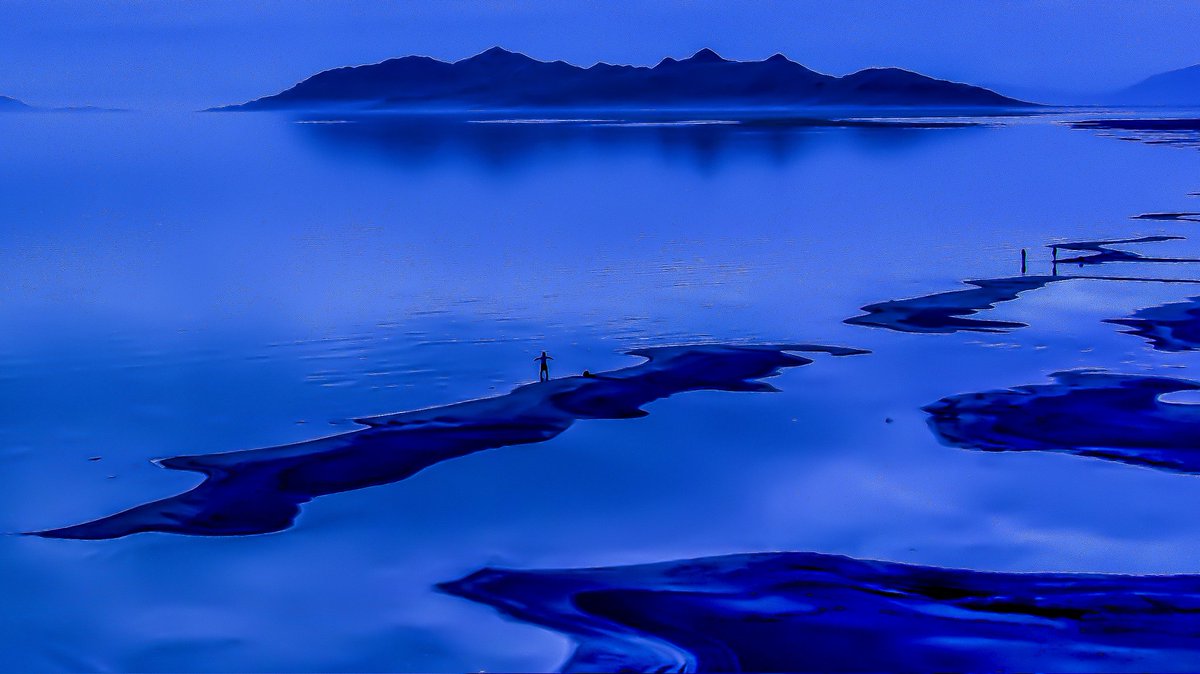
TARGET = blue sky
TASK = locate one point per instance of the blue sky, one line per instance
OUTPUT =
(176, 54)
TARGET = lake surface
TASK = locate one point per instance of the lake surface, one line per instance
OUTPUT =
(185, 284)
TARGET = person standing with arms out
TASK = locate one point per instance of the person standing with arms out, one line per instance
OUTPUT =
(544, 373)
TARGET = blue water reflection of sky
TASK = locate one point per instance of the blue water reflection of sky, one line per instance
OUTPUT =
(175, 284)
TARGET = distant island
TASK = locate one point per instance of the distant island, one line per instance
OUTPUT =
(501, 79)
(10, 104)
(1177, 87)
(7, 104)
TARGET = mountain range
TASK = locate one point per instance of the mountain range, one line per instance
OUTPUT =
(501, 79)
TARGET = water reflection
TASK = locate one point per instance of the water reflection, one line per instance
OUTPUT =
(259, 491)
(413, 141)
(253, 230)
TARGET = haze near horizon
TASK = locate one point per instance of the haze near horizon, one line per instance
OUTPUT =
(125, 54)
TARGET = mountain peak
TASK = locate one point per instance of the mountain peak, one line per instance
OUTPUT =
(705, 55)
(497, 54)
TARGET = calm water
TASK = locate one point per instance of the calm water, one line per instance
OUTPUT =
(197, 283)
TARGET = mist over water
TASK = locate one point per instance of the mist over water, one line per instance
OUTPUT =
(182, 284)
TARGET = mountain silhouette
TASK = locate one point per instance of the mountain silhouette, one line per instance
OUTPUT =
(498, 78)
(1176, 87)
(10, 104)
(7, 103)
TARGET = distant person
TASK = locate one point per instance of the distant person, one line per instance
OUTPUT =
(1022, 261)
(544, 372)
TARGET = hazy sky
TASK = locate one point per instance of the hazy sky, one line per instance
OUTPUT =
(172, 53)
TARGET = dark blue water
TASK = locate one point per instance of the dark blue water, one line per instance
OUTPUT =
(189, 284)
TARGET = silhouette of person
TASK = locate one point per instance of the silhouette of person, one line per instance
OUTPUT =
(544, 372)
(1022, 260)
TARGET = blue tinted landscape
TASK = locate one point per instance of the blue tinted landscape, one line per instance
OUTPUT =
(902, 382)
